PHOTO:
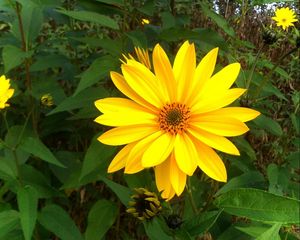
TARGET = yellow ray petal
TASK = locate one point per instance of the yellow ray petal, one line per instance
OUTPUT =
(177, 177)
(163, 71)
(184, 68)
(202, 74)
(123, 86)
(185, 154)
(214, 141)
(213, 102)
(224, 126)
(162, 180)
(159, 150)
(222, 80)
(134, 159)
(239, 113)
(120, 159)
(210, 163)
(143, 82)
(123, 135)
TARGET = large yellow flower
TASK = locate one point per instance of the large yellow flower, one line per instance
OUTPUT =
(284, 17)
(174, 117)
(5, 92)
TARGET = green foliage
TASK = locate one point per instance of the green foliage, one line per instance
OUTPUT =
(53, 171)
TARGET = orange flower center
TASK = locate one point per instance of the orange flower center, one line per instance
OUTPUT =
(173, 118)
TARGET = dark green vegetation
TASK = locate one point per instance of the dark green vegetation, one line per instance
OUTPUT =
(53, 180)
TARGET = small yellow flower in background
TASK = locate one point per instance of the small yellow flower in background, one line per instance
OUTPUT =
(174, 118)
(144, 204)
(145, 21)
(284, 17)
(142, 56)
(47, 100)
(5, 91)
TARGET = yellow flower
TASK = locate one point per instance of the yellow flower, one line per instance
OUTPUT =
(47, 100)
(142, 56)
(145, 21)
(285, 17)
(5, 92)
(174, 117)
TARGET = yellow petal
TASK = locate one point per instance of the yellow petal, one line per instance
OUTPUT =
(203, 73)
(158, 151)
(162, 180)
(177, 177)
(134, 159)
(185, 154)
(120, 159)
(163, 71)
(123, 86)
(123, 135)
(222, 126)
(213, 102)
(214, 141)
(143, 82)
(184, 68)
(210, 163)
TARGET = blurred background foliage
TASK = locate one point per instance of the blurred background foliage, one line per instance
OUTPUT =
(58, 55)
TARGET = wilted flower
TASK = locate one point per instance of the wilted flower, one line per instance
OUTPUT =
(174, 117)
(5, 91)
(47, 100)
(285, 17)
(145, 204)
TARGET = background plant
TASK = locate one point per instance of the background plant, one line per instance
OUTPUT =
(53, 180)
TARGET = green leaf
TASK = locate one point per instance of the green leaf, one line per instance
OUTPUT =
(56, 220)
(122, 192)
(112, 2)
(99, 69)
(218, 19)
(13, 57)
(38, 149)
(268, 124)
(155, 231)
(27, 202)
(49, 61)
(259, 205)
(101, 217)
(9, 220)
(96, 158)
(91, 17)
(85, 98)
(272, 233)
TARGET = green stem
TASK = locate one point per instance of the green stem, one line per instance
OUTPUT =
(266, 78)
(191, 198)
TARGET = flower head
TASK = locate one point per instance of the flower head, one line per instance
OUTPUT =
(145, 21)
(284, 17)
(144, 204)
(47, 100)
(5, 92)
(174, 118)
(142, 56)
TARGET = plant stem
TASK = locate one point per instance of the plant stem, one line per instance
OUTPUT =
(189, 191)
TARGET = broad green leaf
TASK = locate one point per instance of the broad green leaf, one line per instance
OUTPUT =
(201, 223)
(91, 17)
(112, 2)
(296, 122)
(244, 145)
(101, 217)
(259, 205)
(13, 57)
(168, 20)
(49, 61)
(155, 231)
(96, 158)
(38, 149)
(56, 220)
(272, 233)
(122, 192)
(85, 98)
(218, 19)
(9, 220)
(254, 229)
(99, 69)
(6, 171)
(27, 202)
(248, 179)
(268, 124)
(138, 38)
